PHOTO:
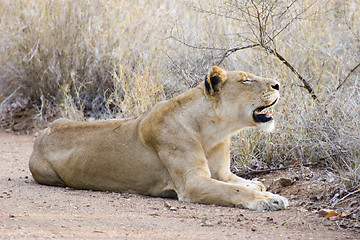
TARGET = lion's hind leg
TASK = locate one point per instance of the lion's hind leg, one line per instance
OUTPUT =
(43, 172)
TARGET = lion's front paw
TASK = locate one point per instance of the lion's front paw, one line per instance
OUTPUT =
(267, 201)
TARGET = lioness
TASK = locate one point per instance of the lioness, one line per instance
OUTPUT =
(179, 148)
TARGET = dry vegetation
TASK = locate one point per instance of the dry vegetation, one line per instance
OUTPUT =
(104, 59)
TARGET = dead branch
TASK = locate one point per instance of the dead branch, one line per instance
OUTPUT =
(8, 99)
(257, 16)
(182, 73)
(293, 19)
(232, 50)
(347, 77)
(196, 47)
(266, 171)
(227, 52)
(260, 172)
(292, 68)
(352, 193)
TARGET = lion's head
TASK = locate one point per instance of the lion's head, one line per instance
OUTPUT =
(243, 100)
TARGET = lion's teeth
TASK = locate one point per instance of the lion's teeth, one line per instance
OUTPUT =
(269, 113)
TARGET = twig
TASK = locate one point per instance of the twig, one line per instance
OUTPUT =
(227, 52)
(8, 98)
(265, 171)
(346, 78)
(196, 47)
(182, 73)
(260, 172)
(232, 50)
(294, 18)
(286, 9)
(347, 195)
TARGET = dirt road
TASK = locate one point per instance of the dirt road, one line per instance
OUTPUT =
(32, 211)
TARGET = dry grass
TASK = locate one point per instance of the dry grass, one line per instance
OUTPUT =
(117, 58)
(69, 52)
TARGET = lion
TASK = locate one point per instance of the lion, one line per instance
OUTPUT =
(180, 148)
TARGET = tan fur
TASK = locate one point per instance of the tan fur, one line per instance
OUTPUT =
(178, 148)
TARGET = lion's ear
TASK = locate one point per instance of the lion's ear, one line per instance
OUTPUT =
(214, 80)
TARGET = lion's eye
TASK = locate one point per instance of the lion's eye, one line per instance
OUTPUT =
(246, 80)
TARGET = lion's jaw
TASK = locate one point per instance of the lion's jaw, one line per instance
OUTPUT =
(263, 114)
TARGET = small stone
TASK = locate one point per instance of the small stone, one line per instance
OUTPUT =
(284, 182)
(314, 198)
(205, 223)
(174, 209)
(253, 228)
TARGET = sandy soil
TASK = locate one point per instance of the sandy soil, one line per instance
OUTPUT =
(32, 211)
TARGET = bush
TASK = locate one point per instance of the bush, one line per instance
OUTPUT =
(117, 58)
(70, 53)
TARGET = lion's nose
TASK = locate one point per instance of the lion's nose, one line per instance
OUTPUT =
(276, 87)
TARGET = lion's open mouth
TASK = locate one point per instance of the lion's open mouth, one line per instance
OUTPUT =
(263, 114)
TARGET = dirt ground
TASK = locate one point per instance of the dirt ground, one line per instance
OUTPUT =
(32, 211)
